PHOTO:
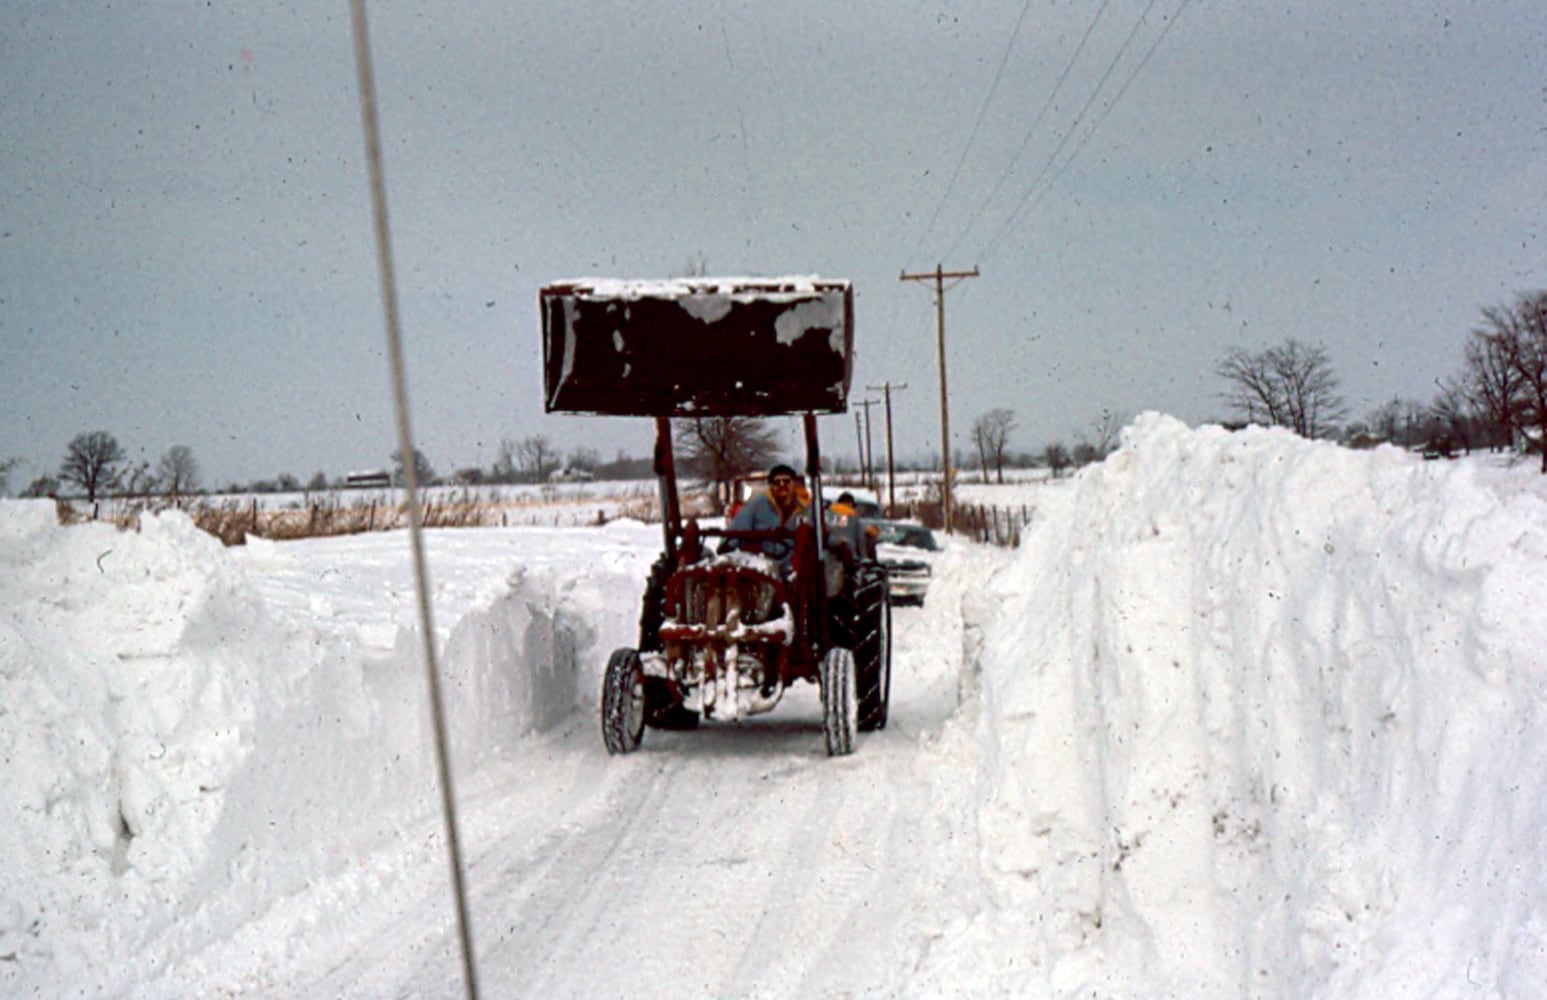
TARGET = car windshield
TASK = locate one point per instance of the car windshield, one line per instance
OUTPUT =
(911, 535)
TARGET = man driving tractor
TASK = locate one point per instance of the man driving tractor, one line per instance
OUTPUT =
(780, 506)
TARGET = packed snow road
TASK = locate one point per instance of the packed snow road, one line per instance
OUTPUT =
(737, 859)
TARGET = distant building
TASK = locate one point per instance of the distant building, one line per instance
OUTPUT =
(570, 476)
(378, 479)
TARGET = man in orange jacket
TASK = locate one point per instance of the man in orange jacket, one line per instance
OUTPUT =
(844, 526)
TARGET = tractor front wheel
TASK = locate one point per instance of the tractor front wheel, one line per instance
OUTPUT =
(623, 702)
(840, 711)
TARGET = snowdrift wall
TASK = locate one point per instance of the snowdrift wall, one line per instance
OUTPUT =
(177, 755)
(1264, 712)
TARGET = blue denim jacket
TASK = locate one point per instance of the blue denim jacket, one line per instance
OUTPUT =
(762, 514)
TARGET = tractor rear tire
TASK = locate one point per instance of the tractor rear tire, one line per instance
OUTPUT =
(652, 611)
(874, 677)
(623, 702)
(862, 622)
(839, 706)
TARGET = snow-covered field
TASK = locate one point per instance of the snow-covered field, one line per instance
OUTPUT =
(546, 505)
(1245, 715)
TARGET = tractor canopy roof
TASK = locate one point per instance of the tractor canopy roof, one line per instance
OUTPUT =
(697, 346)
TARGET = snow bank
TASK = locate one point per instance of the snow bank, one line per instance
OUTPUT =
(1263, 717)
(122, 714)
(183, 750)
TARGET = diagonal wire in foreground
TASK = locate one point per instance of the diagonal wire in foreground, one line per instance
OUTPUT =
(411, 473)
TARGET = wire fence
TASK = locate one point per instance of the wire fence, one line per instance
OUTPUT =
(233, 519)
(986, 523)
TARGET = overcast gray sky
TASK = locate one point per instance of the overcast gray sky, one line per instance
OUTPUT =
(185, 231)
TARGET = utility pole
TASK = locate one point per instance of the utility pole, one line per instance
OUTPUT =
(939, 276)
(891, 469)
(869, 453)
(859, 445)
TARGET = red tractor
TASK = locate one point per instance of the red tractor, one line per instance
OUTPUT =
(724, 629)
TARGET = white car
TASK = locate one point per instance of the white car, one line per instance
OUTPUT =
(907, 550)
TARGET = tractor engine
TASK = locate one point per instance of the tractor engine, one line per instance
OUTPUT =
(727, 627)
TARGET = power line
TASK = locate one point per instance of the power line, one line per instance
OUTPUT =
(1037, 188)
(1116, 98)
(972, 138)
(1032, 130)
(1074, 125)
(741, 124)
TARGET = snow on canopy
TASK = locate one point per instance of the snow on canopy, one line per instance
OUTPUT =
(1245, 715)
(789, 287)
(697, 346)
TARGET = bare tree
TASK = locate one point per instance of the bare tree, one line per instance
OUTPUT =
(1398, 421)
(1292, 385)
(178, 471)
(6, 468)
(1386, 420)
(719, 449)
(1105, 435)
(43, 486)
(1452, 410)
(1518, 335)
(504, 469)
(991, 436)
(91, 461)
(1057, 457)
(1106, 432)
(530, 460)
(1492, 385)
(584, 459)
(625, 467)
(537, 457)
(424, 472)
(137, 480)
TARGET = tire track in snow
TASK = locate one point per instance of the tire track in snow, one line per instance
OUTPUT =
(734, 860)
(666, 877)
(762, 861)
